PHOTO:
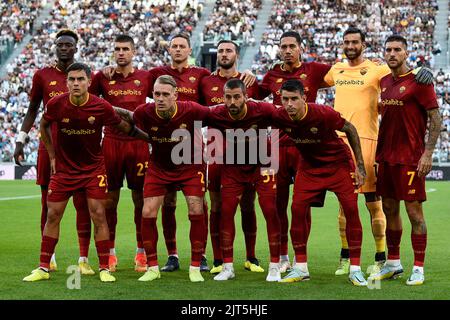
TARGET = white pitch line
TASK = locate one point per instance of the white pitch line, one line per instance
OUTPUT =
(431, 190)
(18, 198)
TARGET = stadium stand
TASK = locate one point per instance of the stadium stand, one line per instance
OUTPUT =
(232, 20)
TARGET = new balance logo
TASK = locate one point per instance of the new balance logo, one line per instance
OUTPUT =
(30, 174)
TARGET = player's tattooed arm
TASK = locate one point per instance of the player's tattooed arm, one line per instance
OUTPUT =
(46, 137)
(353, 139)
(125, 114)
(434, 129)
(132, 130)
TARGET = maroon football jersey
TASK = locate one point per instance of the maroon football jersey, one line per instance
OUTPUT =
(188, 80)
(211, 89)
(79, 133)
(257, 117)
(160, 130)
(127, 93)
(311, 74)
(315, 136)
(401, 138)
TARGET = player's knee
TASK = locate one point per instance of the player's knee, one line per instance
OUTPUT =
(53, 216)
(98, 215)
(149, 212)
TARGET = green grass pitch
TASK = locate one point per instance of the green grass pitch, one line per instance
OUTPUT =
(20, 244)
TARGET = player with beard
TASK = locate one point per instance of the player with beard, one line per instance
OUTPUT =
(409, 129)
(357, 85)
(211, 94)
(49, 82)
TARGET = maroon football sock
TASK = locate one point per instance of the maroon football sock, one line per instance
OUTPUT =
(48, 245)
(419, 244)
(149, 231)
(249, 228)
(169, 224)
(268, 204)
(393, 238)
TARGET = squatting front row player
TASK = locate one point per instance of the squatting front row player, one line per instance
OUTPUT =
(77, 162)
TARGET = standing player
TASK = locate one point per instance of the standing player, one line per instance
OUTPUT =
(188, 88)
(325, 164)
(404, 156)
(212, 94)
(357, 90)
(49, 82)
(188, 80)
(124, 156)
(240, 114)
(357, 84)
(160, 119)
(311, 74)
(77, 162)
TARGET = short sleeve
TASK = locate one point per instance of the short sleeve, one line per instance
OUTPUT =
(51, 111)
(140, 115)
(426, 96)
(110, 117)
(333, 119)
(329, 77)
(383, 70)
(95, 87)
(36, 94)
(264, 87)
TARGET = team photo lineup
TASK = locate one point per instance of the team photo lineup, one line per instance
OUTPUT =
(229, 138)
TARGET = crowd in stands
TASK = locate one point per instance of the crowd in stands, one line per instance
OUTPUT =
(321, 24)
(152, 24)
(232, 20)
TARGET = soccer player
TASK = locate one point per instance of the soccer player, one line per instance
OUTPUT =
(49, 82)
(325, 164)
(404, 156)
(77, 162)
(124, 156)
(188, 80)
(357, 84)
(212, 94)
(240, 114)
(311, 74)
(160, 119)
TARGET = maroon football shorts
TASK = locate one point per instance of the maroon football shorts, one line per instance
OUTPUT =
(311, 184)
(188, 178)
(236, 179)
(62, 188)
(43, 167)
(400, 182)
(125, 158)
(289, 158)
(214, 174)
